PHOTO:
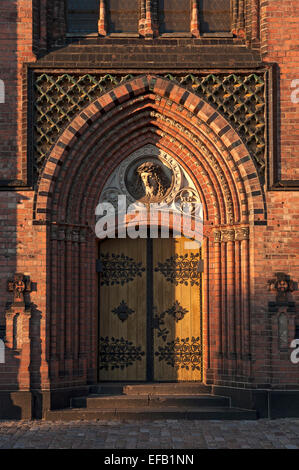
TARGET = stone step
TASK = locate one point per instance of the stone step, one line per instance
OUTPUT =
(153, 401)
(180, 388)
(148, 413)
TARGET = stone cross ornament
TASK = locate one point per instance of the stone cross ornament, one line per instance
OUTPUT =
(19, 286)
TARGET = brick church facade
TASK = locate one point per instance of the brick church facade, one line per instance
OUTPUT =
(211, 87)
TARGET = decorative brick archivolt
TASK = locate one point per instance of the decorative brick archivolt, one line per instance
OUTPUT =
(206, 138)
(148, 110)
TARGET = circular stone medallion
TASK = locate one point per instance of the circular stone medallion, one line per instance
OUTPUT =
(149, 180)
(149, 175)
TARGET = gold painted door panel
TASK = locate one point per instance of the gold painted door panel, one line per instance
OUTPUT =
(123, 314)
(177, 311)
(150, 310)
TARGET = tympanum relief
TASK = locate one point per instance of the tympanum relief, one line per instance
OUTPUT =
(149, 176)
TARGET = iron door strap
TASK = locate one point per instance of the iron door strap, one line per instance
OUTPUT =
(99, 266)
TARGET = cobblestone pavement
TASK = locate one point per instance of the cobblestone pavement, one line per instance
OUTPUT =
(168, 434)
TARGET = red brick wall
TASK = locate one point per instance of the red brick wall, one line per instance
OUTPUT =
(276, 247)
(16, 34)
(8, 73)
(279, 44)
(23, 246)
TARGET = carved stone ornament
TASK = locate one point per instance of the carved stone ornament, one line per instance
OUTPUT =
(217, 236)
(242, 233)
(150, 175)
(111, 195)
(149, 183)
(282, 284)
(19, 286)
(228, 235)
(186, 200)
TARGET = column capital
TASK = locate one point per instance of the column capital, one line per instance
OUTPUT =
(242, 233)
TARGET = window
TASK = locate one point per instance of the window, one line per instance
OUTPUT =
(123, 16)
(214, 16)
(114, 17)
(83, 16)
(174, 16)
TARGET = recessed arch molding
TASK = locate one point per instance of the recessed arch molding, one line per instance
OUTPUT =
(149, 110)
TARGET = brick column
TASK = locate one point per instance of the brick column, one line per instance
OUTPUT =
(102, 23)
(142, 20)
(9, 321)
(92, 306)
(224, 320)
(25, 356)
(75, 298)
(61, 298)
(83, 314)
(238, 323)
(149, 20)
(54, 311)
(205, 306)
(238, 18)
(241, 15)
(195, 19)
(255, 13)
(217, 296)
(69, 304)
(18, 339)
(243, 235)
(230, 288)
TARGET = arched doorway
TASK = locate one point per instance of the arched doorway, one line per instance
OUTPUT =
(150, 310)
(153, 111)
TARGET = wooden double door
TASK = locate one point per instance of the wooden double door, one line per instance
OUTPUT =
(150, 322)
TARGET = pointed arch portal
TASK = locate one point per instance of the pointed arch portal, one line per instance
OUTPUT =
(156, 111)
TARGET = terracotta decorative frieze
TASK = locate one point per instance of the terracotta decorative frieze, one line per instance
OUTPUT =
(230, 235)
(242, 233)
(217, 236)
